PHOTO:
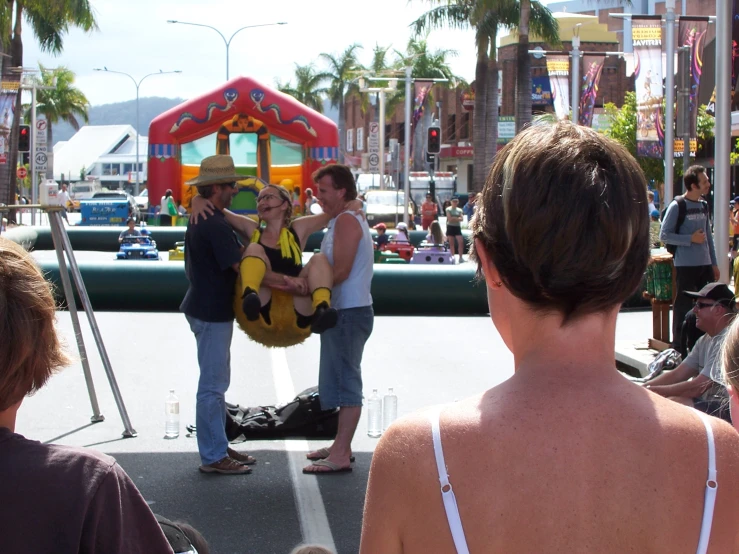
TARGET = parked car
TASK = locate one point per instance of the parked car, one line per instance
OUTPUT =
(138, 248)
(133, 210)
(142, 201)
(384, 206)
(83, 190)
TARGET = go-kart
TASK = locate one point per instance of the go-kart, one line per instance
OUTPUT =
(178, 252)
(402, 248)
(138, 248)
(429, 253)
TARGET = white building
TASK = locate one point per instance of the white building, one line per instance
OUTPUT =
(104, 152)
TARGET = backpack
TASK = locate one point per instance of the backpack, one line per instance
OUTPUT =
(682, 209)
(301, 417)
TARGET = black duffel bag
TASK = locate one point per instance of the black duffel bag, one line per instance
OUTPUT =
(302, 417)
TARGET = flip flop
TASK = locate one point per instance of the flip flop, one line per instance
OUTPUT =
(332, 468)
(323, 453)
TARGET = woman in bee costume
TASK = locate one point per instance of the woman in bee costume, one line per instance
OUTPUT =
(279, 301)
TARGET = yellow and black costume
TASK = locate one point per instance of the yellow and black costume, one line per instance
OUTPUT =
(277, 323)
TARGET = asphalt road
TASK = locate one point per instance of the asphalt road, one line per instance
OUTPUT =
(426, 360)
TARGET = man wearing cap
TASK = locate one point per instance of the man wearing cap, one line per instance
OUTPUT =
(697, 382)
(695, 256)
(212, 258)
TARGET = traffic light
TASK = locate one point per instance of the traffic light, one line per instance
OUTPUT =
(24, 138)
(433, 145)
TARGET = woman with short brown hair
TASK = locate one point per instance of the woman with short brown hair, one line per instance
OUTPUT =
(567, 455)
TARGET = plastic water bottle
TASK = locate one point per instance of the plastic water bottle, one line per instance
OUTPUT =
(374, 415)
(389, 409)
(172, 416)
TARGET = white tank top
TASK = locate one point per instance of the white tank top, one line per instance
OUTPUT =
(354, 292)
(455, 522)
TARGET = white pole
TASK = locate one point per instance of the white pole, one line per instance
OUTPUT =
(136, 190)
(722, 175)
(575, 100)
(407, 144)
(382, 139)
(670, 101)
(32, 154)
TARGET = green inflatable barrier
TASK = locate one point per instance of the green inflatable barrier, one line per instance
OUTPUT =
(161, 286)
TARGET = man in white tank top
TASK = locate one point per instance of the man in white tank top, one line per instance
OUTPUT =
(349, 249)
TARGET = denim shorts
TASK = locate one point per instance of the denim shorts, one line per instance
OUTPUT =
(340, 374)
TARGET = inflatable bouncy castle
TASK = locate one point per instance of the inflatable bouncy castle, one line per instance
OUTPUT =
(270, 135)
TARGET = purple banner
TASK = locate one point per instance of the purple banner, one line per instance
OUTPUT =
(592, 69)
(646, 31)
(692, 33)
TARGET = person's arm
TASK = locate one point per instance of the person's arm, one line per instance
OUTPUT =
(688, 389)
(309, 224)
(119, 521)
(681, 373)
(347, 235)
(226, 249)
(242, 224)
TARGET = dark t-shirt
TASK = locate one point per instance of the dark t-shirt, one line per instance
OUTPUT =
(68, 500)
(211, 249)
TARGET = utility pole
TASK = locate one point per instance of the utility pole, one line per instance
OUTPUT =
(670, 101)
(576, 77)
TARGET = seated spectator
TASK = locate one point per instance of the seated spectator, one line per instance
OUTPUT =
(696, 382)
(382, 238)
(130, 230)
(566, 455)
(54, 498)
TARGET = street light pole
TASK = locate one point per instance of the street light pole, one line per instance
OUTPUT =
(138, 85)
(227, 42)
(670, 101)
(575, 102)
(407, 142)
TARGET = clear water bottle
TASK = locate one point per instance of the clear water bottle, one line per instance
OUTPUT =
(389, 409)
(171, 416)
(374, 415)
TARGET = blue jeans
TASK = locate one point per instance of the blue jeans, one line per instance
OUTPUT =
(214, 359)
(342, 347)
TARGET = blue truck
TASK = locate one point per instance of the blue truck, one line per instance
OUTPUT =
(104, 212)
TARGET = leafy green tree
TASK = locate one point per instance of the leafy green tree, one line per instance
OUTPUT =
(425, 64)
(342, 69)
(623, 129)
(309, 87)
(486, 17)
(57, 99)
(50, 20)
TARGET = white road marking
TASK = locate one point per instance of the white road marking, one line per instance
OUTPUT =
(308, 500)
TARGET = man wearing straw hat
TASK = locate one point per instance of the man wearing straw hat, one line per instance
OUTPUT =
(212, 257)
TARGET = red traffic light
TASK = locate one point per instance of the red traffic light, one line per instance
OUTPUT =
(24, 131)
(24, 138)
(434, 133)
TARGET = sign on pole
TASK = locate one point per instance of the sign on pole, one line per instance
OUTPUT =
(40, 135)
(21, 173)
(373, 147)
(40, 158)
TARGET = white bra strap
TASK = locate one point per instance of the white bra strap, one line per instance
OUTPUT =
(447, 494)
(709, 501)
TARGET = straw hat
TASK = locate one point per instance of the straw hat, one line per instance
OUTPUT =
(216, 170)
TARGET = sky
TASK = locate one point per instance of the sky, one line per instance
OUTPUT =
(134, 37)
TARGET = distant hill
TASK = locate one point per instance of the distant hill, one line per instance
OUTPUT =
(122, 113)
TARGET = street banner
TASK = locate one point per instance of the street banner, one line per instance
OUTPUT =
(421, 91)
(646, 32)
(558, 67)
(593, 67)
(692, 33)
(711, 106)
(8, 91)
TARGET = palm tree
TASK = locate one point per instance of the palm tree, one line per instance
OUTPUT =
(485, 17)
(308, 87)
(50, 21)
(341, 71)
(426, 64)
(57, 99)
